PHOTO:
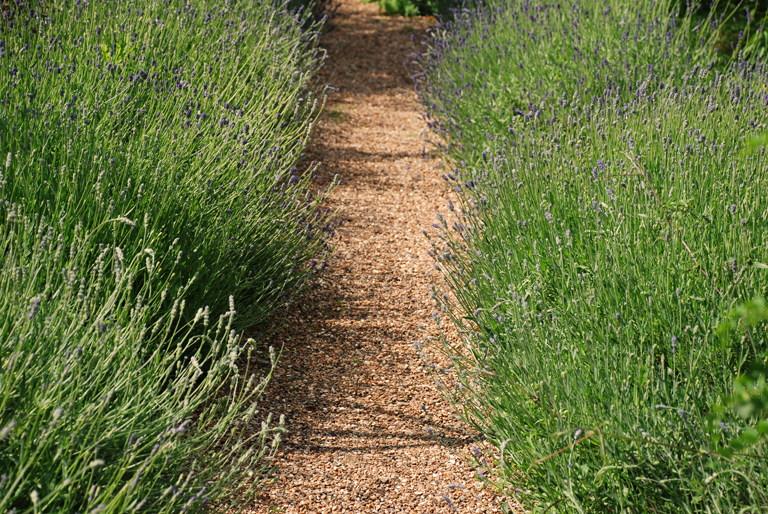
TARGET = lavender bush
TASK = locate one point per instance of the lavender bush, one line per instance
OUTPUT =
(96, 415)
(150, 155)
(598, 240)
(191, 115)
(507, 59)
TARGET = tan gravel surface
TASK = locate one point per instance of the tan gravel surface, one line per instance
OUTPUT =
(368, 430)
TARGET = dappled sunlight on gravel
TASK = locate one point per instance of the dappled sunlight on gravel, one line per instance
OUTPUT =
(368, 429)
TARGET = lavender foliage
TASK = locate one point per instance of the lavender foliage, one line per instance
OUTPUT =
(150, 177)
(602, 231)
(185, 118)
(503, 60)
(97, 415)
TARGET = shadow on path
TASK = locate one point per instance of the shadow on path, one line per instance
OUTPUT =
(368, 430)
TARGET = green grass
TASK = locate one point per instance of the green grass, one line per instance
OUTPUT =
(605, 226)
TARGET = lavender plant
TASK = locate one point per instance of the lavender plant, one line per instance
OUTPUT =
(96, 414)
(507, 59)
(150, 173)
(594, 248)
(189, 115)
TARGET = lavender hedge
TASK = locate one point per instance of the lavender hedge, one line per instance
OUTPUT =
(501, 60)
(604, 228)
(190, 115)
(98, 414)
(150, 177)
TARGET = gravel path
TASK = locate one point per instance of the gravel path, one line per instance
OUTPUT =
(369, 431)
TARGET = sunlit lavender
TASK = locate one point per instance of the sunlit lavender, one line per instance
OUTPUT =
(504, 60)
(189, 116)
(611, 215)
(154, 202)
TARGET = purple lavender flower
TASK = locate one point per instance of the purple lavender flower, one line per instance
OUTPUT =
(35, 306)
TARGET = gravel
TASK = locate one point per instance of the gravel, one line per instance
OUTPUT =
(368, 429)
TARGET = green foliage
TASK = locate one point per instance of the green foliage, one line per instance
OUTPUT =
(613, 205)
(105, 403)
(743, 414)
(149, 178)
(192, 120)
(416, 7)
(757, 46)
